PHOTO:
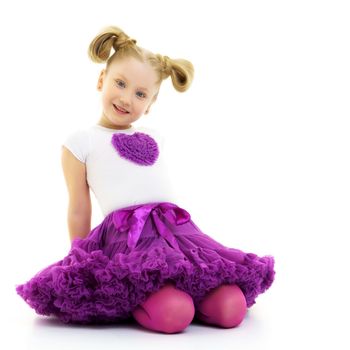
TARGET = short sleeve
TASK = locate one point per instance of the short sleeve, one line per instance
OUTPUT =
(78, 143)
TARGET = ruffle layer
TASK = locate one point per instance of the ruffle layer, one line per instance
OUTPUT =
(89, 287)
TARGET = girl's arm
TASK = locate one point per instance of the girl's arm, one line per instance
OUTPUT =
(79, 208)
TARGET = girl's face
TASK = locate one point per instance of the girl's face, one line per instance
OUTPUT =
(128, 91)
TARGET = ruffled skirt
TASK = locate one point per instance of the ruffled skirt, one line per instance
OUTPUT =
(132, 253)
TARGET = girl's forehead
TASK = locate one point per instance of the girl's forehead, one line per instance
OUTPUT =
(134, 69)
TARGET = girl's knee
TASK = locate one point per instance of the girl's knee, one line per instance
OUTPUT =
(169, 310)
(225, 306)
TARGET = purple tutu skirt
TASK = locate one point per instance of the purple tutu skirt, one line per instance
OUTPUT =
(132, 253)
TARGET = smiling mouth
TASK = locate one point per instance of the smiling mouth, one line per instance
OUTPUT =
(120, 110)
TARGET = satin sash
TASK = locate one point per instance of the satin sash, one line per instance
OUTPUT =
(133, 219)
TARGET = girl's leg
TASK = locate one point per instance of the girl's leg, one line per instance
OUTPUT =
(169, 310)
(224, 306)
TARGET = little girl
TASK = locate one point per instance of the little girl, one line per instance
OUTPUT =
(147, 259)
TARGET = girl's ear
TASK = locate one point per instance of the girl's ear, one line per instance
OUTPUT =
(100, 80)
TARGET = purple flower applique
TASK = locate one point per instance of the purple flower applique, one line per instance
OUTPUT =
(139, 148)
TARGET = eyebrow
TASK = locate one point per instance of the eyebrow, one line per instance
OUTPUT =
(140, 87)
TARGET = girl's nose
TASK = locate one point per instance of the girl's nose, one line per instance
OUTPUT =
(125, 100)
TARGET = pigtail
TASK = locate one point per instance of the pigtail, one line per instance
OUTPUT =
(100, 47)
(181, 71)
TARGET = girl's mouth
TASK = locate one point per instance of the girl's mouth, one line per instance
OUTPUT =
(120, 110)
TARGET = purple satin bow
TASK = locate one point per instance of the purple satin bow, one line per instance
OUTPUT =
(133, 219)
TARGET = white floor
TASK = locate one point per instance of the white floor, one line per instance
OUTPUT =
(31, 331)
(276, 321)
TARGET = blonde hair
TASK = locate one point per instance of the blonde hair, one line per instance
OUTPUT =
(180, 70)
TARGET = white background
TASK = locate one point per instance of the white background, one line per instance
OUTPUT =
(258, 149)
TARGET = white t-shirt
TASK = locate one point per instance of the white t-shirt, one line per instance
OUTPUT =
(115, 181)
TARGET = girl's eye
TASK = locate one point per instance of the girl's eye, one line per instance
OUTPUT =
(120, 82)
(141, 94)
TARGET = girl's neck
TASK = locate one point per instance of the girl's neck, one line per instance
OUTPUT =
(114, 127)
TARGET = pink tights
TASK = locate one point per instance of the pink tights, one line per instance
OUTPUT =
(170, 310)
